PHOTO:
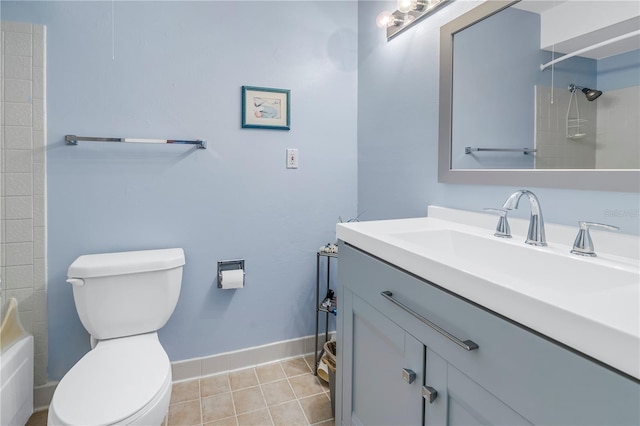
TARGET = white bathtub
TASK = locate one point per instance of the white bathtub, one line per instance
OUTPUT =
(16, 378)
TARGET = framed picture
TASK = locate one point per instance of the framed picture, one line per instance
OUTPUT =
(266, 108)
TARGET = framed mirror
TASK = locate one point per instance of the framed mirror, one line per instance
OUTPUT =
(529, 97)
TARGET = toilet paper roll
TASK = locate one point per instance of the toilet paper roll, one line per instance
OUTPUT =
(232, 279)
(323, 371)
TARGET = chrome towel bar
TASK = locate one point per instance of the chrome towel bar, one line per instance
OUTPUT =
(525, 151)
(73, 140)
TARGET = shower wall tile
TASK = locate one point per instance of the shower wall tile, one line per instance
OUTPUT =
(554, 149)
(38, 179)
(18, 276)
(19, 230)
(17, 27)
(18, 184)
(39, 243)
(38, 140)
(3, 284)
(39, 334)
(19, 67)
(23, 252)
(18, 208)
(38, 50)
(39, 211)
(17, 114)
(37, 84)
(18, 254)
(17, 161)
(38, 114)
(39, 274)
(17, 90)
(619, 129)
(40, 369)
(18, 44)
(18, 137)
(25, 301)
(40, 308)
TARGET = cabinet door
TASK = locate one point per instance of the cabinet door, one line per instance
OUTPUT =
(461, 401)
(382, 357)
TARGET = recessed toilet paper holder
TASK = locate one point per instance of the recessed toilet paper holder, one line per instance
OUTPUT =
(229, 265)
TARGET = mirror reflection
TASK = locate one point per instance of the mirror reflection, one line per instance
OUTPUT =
(548, 85)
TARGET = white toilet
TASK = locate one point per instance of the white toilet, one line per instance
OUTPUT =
(122, 300)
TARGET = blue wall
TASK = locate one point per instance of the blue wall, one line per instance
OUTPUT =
(619, 71)
(177, 73)
(496, 110)
(398, 135)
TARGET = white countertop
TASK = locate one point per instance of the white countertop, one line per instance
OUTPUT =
(589, 304)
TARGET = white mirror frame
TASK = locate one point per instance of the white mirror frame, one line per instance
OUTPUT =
(599, 180)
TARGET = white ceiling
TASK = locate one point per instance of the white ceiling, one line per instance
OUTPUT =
(537, 6)
(589, 38)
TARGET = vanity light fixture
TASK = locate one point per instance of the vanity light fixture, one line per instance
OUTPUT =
(387, 19)
(408, 13)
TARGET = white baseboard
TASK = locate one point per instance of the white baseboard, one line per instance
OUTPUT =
(244, 358)
(195, 368)
(42, 396)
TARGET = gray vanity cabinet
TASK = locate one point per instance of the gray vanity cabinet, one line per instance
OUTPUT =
(388, 373)
(384, 392)
(461, 401)
(514, 376)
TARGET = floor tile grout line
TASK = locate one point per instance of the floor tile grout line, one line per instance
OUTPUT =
(233, 401)
(264, 399)
(200, 398)
(298, 402)
(297, 399)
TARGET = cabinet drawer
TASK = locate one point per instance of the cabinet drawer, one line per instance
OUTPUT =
(541, 380)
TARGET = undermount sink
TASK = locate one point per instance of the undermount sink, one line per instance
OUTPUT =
(517, 265)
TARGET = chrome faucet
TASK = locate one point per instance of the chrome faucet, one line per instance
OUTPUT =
(536, 235)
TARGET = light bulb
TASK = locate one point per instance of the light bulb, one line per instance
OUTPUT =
(405, 6)
(385, 19)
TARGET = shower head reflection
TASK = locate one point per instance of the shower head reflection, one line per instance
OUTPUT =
(591, 94)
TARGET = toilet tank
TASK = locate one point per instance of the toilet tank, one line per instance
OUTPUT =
(126, 293)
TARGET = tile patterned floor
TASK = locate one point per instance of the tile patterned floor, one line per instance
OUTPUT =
(282, 393)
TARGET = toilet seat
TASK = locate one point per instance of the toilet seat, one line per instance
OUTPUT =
(115, 383)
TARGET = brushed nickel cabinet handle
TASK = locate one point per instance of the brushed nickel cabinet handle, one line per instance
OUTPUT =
(465, 344)
(429, 393)
(408, 375)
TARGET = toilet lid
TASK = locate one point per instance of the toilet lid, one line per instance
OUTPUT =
(112, 382)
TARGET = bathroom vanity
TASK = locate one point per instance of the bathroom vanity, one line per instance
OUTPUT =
(425, 340)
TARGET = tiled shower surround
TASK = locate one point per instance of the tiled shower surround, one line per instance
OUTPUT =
(554, 149)
(619, 129)
(611, 130)
(23, 255)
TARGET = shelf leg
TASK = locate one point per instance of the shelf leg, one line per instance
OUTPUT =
(326, 323)
(315, 348)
